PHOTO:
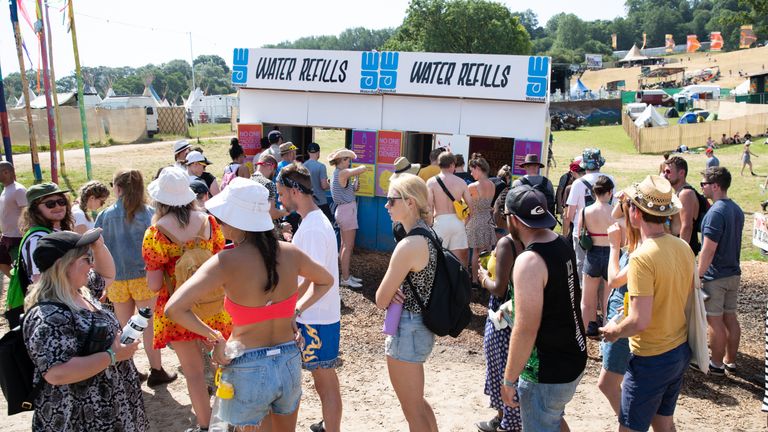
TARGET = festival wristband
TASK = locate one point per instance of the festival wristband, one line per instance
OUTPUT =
(112, 356)
(297, 313)
(509, 383)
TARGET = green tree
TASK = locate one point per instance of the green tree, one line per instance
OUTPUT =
(213, 59)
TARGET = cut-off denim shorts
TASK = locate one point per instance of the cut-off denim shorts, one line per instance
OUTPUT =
(265, 380)
(413, 341)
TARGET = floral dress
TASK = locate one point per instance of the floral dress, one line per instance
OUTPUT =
(160, 253)
(481, 233)
(109, 401)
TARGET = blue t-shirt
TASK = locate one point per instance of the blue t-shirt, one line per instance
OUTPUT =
(317, 173)
(713, 162)
(724, 223)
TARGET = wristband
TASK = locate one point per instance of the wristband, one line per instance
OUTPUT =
(297, 313)
(112, 356)
(509, 383)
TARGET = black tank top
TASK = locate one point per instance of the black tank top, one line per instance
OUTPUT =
(559, 354)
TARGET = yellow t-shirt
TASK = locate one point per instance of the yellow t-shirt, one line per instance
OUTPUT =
(663, 268)
(429, 171)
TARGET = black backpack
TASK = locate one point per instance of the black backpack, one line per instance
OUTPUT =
(704, 205)
(542, 187)
(447, 311)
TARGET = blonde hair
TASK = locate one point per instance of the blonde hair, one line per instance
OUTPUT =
(413, 187)
(54, 284)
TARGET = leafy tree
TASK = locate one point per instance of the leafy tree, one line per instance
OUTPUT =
(214, 59)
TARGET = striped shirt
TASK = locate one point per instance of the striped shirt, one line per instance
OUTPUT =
(341, 194)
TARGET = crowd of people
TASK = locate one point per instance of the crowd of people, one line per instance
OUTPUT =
(621, 275)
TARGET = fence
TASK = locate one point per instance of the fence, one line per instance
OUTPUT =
(172, 120)
(661, 139)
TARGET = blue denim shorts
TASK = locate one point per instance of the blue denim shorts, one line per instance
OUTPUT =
(615, 354)
(651, 386)
(596, 262)
(542, 406)
(266, 380)
(413, 341)
(321, 345)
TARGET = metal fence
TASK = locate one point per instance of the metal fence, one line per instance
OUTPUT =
(172, 120)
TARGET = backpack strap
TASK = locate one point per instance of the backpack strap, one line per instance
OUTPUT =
(445, 189)
(524, 180)
(583, 222)
(588, 185)
(420, 231)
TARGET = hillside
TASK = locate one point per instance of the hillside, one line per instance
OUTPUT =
(750, 61)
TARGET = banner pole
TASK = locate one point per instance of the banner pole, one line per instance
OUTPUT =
(62, 165)
(4, 123)
(40, 28)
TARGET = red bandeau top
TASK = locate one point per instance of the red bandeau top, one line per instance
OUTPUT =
(244, 315)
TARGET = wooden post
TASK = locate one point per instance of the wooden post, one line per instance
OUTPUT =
(47, 85)
(62, 165)
(80, 96)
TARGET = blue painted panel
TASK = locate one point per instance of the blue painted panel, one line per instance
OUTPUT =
(384, 240)
(366, 220)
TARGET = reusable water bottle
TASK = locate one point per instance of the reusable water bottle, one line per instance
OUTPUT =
(224, 389)
(392, 318)
(135, 327)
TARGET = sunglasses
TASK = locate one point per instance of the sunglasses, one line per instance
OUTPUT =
(702, 184)
(51, 204)
(391, 200)
(89, 257)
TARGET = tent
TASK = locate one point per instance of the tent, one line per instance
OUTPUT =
(692, 117)
(110, 93)
(215, 107)
(12, 101)
(579, 90)
(634, 54)
(672, 113)
(22, 102)
(741, 89)
(650, 118)
(67, 99)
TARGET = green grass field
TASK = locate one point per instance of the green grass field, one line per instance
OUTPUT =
(623, 162)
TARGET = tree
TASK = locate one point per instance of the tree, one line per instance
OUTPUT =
(214, 59)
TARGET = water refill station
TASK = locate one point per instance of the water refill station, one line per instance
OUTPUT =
(395, 104)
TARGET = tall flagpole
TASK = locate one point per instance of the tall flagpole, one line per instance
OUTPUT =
(40, 29)
(80, 96)
(62, 165)
(4, 123)
(25, 91)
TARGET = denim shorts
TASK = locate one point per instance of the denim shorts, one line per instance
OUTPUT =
(265, 380)
(596, 262)
(413, 341)
(651, 386)
(321, 345)
(615, 354)
(542, 406)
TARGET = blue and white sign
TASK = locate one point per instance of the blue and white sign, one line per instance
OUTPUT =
(477, 76)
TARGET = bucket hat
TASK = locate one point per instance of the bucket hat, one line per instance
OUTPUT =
(171, 188)
(531, 159)
(591, 159)
(244, 204)
(41, 190)
(655, 196)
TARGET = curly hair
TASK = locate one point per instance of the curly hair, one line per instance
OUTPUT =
(32, 216)
(93, 188)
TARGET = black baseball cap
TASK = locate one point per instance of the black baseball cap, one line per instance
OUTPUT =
(313, 148)
(53, 246)
(199, 187)
(274, 136)
(529, 206)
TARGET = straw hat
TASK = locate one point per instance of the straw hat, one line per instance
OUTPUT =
(243, 204)
(171, 188)
(655, 196)
(180, 145)
(287, 147)
(403, 165)
(341, 153)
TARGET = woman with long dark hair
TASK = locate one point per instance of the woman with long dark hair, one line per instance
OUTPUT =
(237, 168)
(259, 278)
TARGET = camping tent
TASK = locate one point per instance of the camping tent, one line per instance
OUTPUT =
(650, 118)
(579, 90)
(741, 89)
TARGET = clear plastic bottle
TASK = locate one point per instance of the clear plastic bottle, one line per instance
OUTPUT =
(224, 389)
(135, 326)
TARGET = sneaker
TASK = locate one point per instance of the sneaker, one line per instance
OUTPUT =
(160, 376)
(356, 279)
(491, 425)
(317, 427)
(764, 204)
(350, 283)
(592, 330)
(730, 367)
(143, 377)
(716, 371)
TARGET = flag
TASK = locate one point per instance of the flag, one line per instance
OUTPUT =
(693, 44)
(644, 40)
(669, 43)
(715, 41)
(747, 36)
(613, 40)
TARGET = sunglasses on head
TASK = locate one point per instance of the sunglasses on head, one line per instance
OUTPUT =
(51, 204)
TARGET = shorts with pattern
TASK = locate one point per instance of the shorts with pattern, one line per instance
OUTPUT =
(321, 345)
(125, 290)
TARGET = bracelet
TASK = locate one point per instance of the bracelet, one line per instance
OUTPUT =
(509, 383)
(215, 337)
(297, 313)
(112, 356)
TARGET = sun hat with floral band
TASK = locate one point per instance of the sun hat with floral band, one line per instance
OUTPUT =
(655, 196)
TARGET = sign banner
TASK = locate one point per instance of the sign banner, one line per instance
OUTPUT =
(669, 43)
(594, 61)
(456, 144)
(481, 76)
(613, 40)
(249, 136)
(364, 146)
(383, 174)
(523, 148)
(747, 36)
(760, 231)
(645, 38)
(390, 145)
(715, 41)
(693, 44)
(366, 180)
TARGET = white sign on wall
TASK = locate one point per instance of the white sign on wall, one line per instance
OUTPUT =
(480, 76)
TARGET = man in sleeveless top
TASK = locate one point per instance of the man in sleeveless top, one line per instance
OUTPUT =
(684, 224)
(547, 348)
(319, 324)
(447, 225)
(659, 282)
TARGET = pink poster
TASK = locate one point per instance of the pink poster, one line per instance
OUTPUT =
(523, 148)
(364, 146)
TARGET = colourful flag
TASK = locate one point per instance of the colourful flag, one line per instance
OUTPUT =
(747, 36)
(715, 41)
(613, 40)
(693, 44)
(669, 43)
(644, 40)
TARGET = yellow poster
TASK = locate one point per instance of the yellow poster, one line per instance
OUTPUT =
(366, 181)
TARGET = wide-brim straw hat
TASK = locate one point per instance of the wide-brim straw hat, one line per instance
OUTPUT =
(172, 188)
(655, 196)
(243, 204)
(403, 165)
(341, 153)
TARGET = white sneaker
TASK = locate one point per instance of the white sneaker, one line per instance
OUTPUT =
(350, 283)
(356, 279)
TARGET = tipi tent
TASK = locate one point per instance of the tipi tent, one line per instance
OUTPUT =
(12, 101)
(650, 118)
(110, 93)
(634, 54)
(22, 102)
(579, 90)
(215, 107)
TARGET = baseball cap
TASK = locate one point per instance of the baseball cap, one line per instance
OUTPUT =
(529, 206)
(196, 156)
(313, 148)
(53, 246)
(708, 150)
(198, 187)
(287, 147)
(274, 136)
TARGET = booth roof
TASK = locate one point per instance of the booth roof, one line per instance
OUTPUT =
(665, 72)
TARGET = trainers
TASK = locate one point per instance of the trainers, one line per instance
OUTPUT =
(143, 377)
(356, 279)
(160, 376)
(317, 427)
(716, 371)
(592, 330)
(730, 367)
(491, 425)
(350, 283)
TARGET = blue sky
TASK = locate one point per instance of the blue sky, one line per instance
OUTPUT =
(137, 32)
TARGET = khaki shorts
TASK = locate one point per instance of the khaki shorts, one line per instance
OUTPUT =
(451, 230)
(123, 291)
(346, 216)
(722, 295)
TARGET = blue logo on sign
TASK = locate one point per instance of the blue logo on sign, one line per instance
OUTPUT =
(240, 66)
(378, 71)
(538, 71)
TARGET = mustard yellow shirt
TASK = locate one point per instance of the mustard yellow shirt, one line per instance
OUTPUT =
(429, 171)
(663, 268)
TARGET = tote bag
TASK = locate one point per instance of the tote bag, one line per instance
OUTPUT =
(697, 326)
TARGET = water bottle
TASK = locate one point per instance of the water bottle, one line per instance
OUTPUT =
(135, 327)
(224, 389)
(392, 318)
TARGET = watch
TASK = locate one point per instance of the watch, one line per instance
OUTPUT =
(112, 356)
